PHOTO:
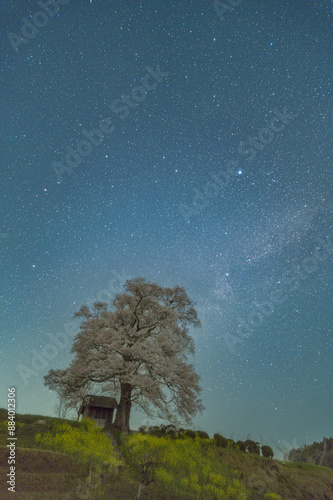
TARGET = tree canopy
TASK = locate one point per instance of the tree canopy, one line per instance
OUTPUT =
(137, 350)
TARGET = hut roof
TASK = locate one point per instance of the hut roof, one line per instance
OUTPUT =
(99, 401)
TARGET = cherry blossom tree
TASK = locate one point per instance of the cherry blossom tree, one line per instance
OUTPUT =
(138, 352)
(71, 394)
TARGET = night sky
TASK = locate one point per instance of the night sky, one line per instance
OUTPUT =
(169, 140)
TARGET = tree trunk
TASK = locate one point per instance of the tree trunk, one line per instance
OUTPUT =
(121, 422)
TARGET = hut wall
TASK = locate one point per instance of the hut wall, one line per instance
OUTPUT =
(108, 421)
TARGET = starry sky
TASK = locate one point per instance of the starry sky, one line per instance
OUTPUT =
(189, 144)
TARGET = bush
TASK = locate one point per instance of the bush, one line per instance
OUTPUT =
(252, 446)
(202, 434)
(267, 451)
(221, 441)
(155, 431)
(88, 443)
(189, 433)
(183, 467)
(118, 437)
(241, 445)
(173, 434)
(231, 444)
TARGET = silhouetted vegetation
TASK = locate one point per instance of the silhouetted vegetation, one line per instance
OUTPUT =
(252, 446)
(267, 451)
(315, 453)
(202, 434)
(221, 441)
(189, 433)
(241, 445)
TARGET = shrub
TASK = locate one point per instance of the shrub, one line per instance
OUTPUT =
(88, 443)
(241, 445)
(183, 466)
(221, 441)
(231, 444)
(118, 436)
(202, 434)
(189, 433)
(173, 434)
(155, 431)
(252, 446)
(267, 451)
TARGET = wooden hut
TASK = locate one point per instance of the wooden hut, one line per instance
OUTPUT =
(100, 409)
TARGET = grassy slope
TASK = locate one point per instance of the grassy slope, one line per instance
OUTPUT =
(47, 475)
(290, 480)
(40, 475)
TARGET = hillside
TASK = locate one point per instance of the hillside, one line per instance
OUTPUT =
(44, 474)
(315, 453)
